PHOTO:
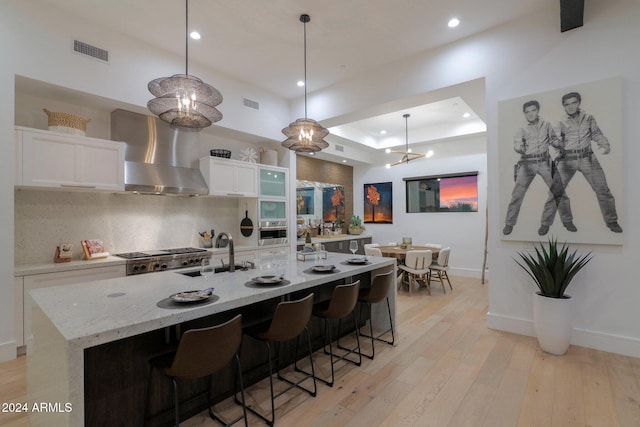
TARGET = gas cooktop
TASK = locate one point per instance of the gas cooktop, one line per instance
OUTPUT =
(162, 259)
(159, 252)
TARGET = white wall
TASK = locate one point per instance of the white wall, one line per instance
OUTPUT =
(463, 232)
(526, 57)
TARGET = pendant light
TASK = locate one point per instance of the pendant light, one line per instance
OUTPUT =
(407, 155)
(183, 100)
(305, 135)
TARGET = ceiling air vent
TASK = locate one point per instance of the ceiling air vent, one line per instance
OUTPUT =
(339, 148)
(254, 105)
(92, 51)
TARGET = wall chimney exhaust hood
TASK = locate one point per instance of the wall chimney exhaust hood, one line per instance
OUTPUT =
(158, 158)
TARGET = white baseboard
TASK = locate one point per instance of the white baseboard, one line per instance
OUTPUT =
(589, 339)
(7, 351)
(475, 273)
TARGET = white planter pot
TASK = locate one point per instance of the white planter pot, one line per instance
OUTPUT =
(553, 322)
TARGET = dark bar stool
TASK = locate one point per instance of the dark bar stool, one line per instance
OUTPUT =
(379, 290)
(200, 353)
(289, 321)
(343, 302)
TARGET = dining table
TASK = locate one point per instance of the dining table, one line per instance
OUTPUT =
(400, 252)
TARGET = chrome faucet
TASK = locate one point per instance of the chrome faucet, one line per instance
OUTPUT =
(232, 260)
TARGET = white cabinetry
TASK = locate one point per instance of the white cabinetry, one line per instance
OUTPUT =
(227, 177)
(49, 159)
(36, 281)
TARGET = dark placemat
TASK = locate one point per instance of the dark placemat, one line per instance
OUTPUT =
(310, 271)
(252, 284)
(168, 303)
(355, 263)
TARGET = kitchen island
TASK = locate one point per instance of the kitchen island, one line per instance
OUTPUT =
(80, 330)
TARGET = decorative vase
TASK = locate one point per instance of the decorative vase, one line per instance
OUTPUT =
(553, 322)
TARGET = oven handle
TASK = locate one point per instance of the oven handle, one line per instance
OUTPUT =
(275, 228)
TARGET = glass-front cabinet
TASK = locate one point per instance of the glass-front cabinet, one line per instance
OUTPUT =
(272, 200)
(273, 182)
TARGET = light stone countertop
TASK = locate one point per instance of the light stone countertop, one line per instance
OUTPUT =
(52, 267)
(89, 314)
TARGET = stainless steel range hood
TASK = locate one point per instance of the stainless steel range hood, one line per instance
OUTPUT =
(158, 159)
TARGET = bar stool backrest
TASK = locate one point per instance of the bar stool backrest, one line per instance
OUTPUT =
(344, 300)
(380, 287)
(202, 352)
(290, 319)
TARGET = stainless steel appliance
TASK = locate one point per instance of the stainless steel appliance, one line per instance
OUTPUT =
(272, 232)
(159, 159)
(163, 259)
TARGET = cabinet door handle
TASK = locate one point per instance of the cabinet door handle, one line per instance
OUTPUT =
(77, 186)
(235, 194)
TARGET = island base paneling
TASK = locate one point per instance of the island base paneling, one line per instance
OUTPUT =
(116, 372)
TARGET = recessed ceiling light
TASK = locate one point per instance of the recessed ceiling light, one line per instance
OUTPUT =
(312, 153)
(388, 150)
(344, 161)
(383, 132)
(300, 83)
(466, 115)
(453, 22)
(194, 35)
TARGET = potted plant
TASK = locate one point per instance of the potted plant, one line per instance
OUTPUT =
(552, 270)
(356, 226)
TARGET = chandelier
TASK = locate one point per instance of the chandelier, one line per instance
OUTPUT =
(407, 154)
(183, 100)
(305, 135)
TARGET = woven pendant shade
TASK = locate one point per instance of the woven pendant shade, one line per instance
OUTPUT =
(182, 100)
(185, 101)
(305, 135)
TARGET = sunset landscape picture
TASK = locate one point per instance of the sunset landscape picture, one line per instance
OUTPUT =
(459, 194)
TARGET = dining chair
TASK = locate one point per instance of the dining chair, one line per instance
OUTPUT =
(392, 243)
(438, 270)
(371, 245)
(200, 353)
(372, 251)
(434, 245)
(416, 268)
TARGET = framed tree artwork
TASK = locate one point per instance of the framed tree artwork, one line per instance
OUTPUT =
(378, 207)
(333, 204)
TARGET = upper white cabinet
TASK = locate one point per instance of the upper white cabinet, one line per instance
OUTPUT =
(226, 177)
(49, 159)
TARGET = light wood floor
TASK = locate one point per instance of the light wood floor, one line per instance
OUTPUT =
(447, 369)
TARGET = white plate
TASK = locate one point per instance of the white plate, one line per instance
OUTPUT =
(357, 261)
(192, 296)
(323, 268)
(267, 280)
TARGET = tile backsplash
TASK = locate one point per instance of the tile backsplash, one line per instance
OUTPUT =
(124, 222)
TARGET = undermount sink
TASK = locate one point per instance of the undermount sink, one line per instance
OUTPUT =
(221, 269)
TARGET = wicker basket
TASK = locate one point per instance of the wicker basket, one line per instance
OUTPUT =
(59, 121)
(218, 152)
